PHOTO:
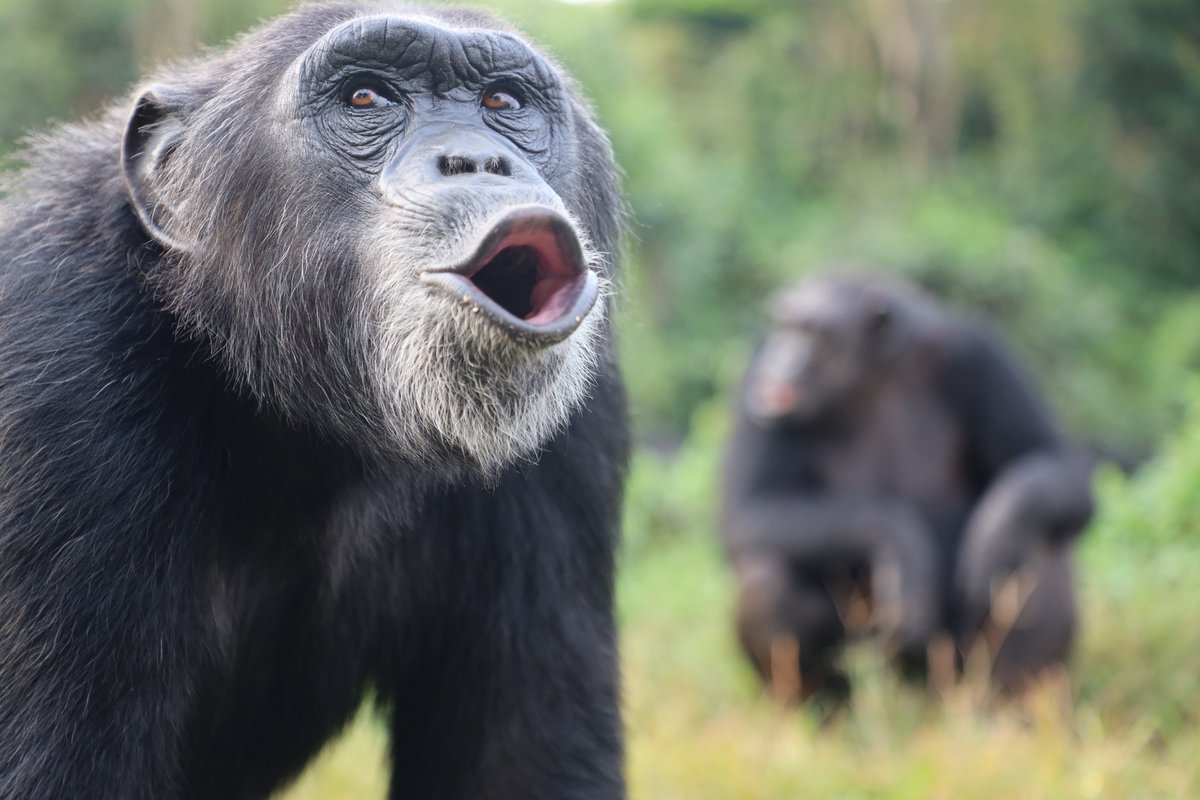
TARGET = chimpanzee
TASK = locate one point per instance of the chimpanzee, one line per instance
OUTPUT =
(892, 470)
(306, 386)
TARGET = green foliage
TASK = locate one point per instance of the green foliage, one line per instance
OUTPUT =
(1144, 62)
(63, 59)
(1162, 504)
(812, 135)
(673, 496)
(1141, 558)
(51, 54)
(1109, 364)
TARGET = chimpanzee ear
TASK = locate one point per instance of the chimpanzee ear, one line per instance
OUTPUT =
(151, 135)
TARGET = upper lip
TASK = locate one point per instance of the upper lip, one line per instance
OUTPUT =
(528, 275)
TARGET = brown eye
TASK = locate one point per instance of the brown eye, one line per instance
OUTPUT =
(366, 97)
(500, 100)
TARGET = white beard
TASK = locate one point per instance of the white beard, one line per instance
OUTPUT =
(445, 374)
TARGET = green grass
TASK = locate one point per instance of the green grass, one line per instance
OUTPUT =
(699, 727)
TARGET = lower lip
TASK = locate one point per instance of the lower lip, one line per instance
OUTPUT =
(554, 323)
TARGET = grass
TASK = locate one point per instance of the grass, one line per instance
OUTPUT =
(699, 728)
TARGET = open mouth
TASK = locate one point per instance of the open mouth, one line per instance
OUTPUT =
(527, 275)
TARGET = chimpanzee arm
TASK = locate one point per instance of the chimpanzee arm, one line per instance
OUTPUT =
(1028, 482)
(1034, 494)
(99, 663)
(1001, 414)
(99, 567)
(814, 529)
(512, 689)
(776, 497)
(774, 506)
(1043, 501)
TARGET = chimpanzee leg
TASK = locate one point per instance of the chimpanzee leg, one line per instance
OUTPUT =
(790, 628)
(1016, 593)
(1033, 621)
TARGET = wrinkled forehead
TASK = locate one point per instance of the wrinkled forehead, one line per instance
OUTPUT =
(434, 53)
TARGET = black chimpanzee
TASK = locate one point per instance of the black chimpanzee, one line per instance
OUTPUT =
(891, 469)
(306, 386)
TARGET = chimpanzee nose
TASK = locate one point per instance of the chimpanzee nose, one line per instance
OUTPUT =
(457, 158)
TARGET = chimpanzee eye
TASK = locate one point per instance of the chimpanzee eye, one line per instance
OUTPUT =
(500, 99)
(363, 97)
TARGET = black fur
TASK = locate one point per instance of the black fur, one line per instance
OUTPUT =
(892, 457)
(208, 551)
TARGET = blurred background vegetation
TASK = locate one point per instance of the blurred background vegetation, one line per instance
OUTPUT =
(1034, 161)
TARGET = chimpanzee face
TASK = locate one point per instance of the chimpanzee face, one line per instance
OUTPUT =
(825, 343)
(392, 231)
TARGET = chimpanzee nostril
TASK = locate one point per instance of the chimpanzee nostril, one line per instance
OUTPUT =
(496, 165)
(450, 166)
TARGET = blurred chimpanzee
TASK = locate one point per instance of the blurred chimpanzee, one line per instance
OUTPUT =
(306, 385)
(891, 469)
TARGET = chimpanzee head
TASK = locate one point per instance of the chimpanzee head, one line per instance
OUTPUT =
(831, 340)
(393, 224)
